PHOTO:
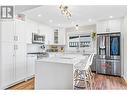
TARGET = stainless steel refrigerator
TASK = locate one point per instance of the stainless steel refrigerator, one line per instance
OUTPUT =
(108, 60)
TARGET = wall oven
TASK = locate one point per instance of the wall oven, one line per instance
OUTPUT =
(38, 39)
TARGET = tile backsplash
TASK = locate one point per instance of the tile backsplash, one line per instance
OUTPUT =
(34, 48)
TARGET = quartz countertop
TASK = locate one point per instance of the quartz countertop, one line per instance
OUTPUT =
(65, 58)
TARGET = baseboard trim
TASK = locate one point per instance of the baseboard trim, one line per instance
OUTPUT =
(17, 82)
(5, 88)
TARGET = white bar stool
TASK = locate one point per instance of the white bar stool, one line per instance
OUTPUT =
(83, 74)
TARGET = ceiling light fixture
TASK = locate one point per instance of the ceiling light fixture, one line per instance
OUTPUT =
(77, 27)
(72, 22)
(58, 24)
(110, 16)
(39, 15)
(90, 20)
(50, 20)
(65, 11)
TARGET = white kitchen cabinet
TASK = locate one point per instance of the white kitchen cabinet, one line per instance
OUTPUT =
(20, 61)
(20, 31)
(7, 31)
(14, 36)
(31, 58)
(109, 26)
(12, 53)
(13, 63)
(6, 64)
(115, 25)
(47, 32)
(30, 27)
(61, 37)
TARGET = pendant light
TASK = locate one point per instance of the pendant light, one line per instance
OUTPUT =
(77, 27)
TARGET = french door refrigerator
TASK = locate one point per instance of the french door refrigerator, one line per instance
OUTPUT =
(108, 54)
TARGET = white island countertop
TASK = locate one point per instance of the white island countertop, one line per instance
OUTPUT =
(56, 72)
(65, 58)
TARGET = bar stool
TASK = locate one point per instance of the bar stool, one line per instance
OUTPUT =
(91, 76)
(83, 73)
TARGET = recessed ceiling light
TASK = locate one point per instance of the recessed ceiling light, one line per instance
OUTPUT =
(39, 15)
(110, 16)
(90, 20)
(72, 22)
(50, 20)
(58, 24)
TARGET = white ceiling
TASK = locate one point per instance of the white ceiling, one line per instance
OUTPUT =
(22, 8)
(80, 14)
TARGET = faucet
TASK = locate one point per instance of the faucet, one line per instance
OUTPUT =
(83, 51)
(77, 48)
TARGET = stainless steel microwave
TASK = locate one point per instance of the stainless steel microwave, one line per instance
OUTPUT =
(38, 39)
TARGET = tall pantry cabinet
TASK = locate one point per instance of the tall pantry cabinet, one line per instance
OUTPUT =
(20, 50)
(12, 52)
(6, 53)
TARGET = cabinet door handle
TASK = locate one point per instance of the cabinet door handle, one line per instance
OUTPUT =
(15, 47)
(16, 38)
(107, 29)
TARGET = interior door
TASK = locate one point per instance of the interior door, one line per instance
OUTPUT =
(20, 61)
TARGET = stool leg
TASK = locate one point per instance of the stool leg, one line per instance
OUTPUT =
(75, 77)
(86, 79)
(92, 77)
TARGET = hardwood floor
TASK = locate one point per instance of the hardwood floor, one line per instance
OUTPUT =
(101, 82)
(27, 85)
(109, 82)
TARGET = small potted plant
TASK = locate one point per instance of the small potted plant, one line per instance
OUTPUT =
(93, 35)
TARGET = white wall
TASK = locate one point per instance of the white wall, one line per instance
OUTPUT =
(125, 47)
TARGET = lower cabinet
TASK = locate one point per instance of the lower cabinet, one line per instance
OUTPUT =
(20, 62)
(31, 58)
(12, 64)
(6, 64)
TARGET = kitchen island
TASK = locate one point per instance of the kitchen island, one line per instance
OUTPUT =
(56, 72)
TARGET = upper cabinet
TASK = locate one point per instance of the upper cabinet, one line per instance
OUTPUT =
(61, 36)
(24, 30)
(46, 31)
(30, 27)
(7, 31)
(58, 37)
(109, 26)
(115, 25)
(20, 31)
